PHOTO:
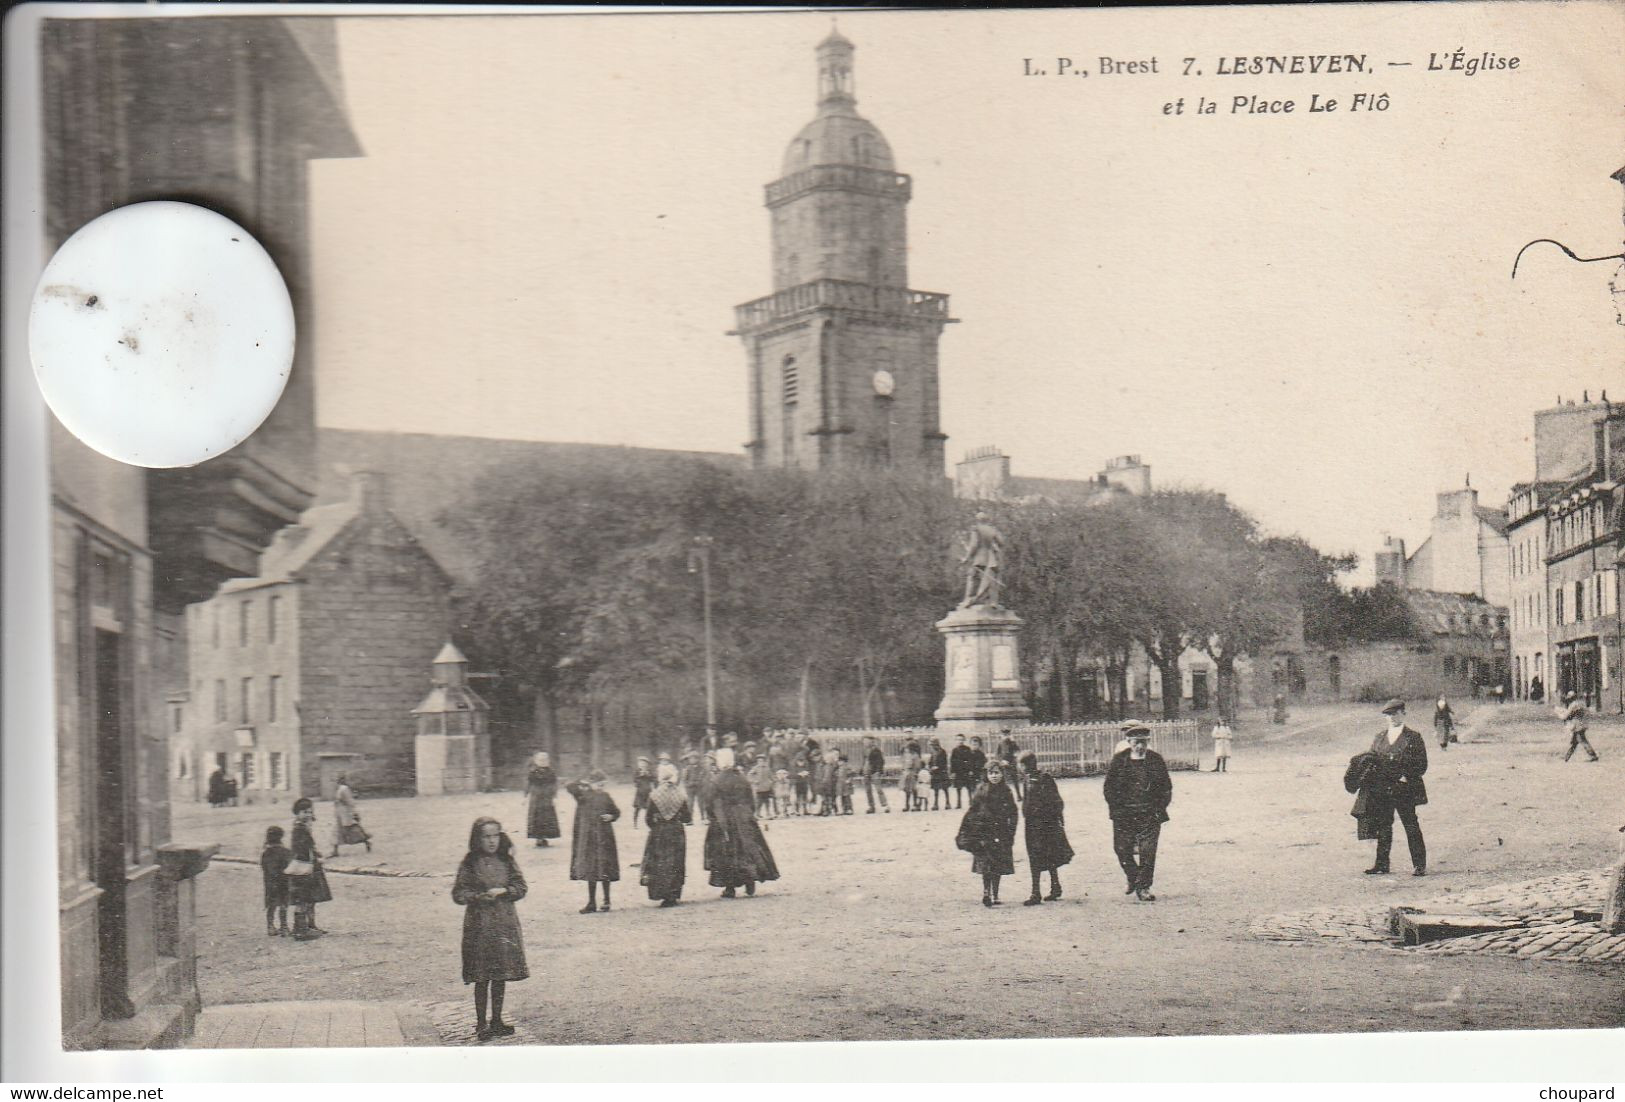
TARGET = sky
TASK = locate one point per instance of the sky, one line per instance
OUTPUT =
(1313, 313)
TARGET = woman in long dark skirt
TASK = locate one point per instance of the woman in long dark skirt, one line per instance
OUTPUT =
(1047, 847)
(736, 853)
(488, 884)
(665, 856)
(308, 886)
(993, 811)
(541, 788)
(593, 857)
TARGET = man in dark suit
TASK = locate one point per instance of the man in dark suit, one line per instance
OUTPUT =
(1138, 792)
(1393, 785)
(962, 770)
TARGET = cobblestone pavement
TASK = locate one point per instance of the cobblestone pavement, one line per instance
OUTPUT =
(1545, 907)
(454, 1021)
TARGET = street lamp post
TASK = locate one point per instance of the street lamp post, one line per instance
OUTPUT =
(699, 562)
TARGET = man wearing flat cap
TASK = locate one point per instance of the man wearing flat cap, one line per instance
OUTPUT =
(1138, 792)
(1389, 783)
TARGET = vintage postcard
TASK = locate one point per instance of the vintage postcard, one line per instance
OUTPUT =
(862, 526)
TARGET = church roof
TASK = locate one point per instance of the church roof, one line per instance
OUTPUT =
(839, 138)
(429, 473)
(836, 38)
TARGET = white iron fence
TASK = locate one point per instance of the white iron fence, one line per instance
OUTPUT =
(1063, 749)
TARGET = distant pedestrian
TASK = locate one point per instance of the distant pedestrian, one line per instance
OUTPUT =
(541, 789)
(665, 855)
(643, 782)
(592, 843)
(962, 769)
(782, 793)
(978, 761)
(694, 784)
(801, 779)
(274, 858)
(1388, 780)
(988, 832)
(1221, 746)
(1138, 791)
(1047, 847)
(1278, 710)
(736, 852)
(874, 774)
(1573, 714)
(1009, 752)
(829, 788)
(760, 776)
(909, 781)
(488, 884)
(843, 782)
(347, 820)
(219, 790)
(1444, 724)
(1537, 691)
(307, 883)
(941, 768)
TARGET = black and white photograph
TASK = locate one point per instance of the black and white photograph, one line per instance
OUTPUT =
(819, 526)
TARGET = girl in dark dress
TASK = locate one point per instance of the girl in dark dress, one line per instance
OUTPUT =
(665, 854)
(307, 886)
(736, 853)
(941, 777)
(989, 831)
(488, 884)
(1047, 847)
(274, 860)
(592, 844)
(542, 787)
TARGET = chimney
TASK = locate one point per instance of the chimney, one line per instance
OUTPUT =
(370, 491)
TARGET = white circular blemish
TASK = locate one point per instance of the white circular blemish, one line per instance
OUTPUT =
(161, 334)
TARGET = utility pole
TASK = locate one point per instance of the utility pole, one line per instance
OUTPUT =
(699, 562)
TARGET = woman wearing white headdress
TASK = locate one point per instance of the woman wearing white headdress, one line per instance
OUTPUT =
(664, 854)
(736, 853)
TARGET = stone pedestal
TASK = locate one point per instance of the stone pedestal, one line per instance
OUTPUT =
(1613, 915)
(983, 683)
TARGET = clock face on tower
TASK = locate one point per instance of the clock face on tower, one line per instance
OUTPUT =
(884, 384)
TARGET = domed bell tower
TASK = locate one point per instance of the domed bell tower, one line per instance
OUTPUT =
(843, 355)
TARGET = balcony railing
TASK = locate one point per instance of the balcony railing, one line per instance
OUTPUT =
(844, 295)
(871, 181)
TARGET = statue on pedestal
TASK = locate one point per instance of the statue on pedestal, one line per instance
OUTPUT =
(983, 559)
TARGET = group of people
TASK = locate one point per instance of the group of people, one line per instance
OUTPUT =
(791, 775)
(292, 874)
(736, 852)
(1138, 791)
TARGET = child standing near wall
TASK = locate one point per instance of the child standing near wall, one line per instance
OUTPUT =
(274, 860)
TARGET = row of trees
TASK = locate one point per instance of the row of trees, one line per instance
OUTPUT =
(582, 585)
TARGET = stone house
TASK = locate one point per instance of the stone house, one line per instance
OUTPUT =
(235, 116)
(311, 668)
(1585, 538)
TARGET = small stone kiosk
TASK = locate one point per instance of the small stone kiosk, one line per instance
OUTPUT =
(453, 746)
(983, 686)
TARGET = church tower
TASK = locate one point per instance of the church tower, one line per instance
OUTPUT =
(842, 355)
